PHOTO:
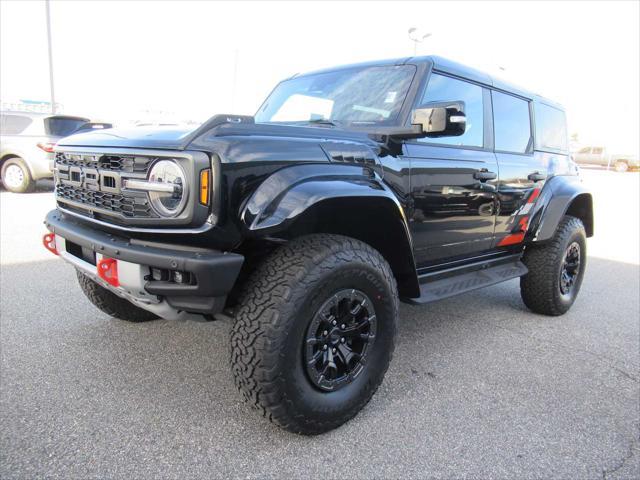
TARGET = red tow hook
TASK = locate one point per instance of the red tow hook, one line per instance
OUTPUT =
(108, 271)
(49, 242)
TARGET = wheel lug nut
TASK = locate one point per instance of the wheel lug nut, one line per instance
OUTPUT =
(324, 347)
(333, 350)
(343, 326)
(342, 340)
(325, 333)
(334, 322)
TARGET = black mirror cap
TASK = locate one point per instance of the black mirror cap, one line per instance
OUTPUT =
(440, 119)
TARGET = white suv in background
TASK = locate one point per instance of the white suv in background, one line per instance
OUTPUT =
(26, 145)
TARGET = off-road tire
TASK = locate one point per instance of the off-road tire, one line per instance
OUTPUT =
(540, 288)
(275, 309)
(28, 184)
(110, 303)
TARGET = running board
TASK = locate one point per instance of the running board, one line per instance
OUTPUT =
(434, 287)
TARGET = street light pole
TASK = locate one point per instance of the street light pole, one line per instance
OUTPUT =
(416, 38)
(235, 80)
(53, 97)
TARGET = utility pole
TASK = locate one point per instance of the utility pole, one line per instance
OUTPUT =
(53, 97)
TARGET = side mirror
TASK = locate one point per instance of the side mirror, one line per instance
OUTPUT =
(442, 119)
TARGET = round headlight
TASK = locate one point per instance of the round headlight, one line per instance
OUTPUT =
(171, 201)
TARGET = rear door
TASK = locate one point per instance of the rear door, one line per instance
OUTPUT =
(453, 195)
(522, 173)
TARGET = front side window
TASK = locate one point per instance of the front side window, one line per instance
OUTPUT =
(447, 89)
(511, 123)
(551, 128)
(13, 124)
(356, 96)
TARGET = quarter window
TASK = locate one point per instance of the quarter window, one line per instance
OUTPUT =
(551, 128)
(14, 124)
(511, 123)
(447, 89)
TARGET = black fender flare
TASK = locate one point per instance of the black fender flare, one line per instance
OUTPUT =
(562, 195)
(291, 196)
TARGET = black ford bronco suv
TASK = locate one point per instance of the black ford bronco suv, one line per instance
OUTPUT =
(350, 189)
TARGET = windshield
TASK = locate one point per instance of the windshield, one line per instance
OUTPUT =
(364, 96)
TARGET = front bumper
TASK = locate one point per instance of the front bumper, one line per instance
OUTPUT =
(213, 272)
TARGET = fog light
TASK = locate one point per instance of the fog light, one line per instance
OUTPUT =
(179, 277)
(159, 275)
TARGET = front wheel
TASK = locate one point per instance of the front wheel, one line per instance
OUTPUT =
(556, 269)
(110, 303)
(314, 332)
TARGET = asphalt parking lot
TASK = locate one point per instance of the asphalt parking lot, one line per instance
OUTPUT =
(479, 386)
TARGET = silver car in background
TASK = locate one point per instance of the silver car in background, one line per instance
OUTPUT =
(26, 145)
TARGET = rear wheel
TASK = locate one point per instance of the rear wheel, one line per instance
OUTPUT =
(16, 177)
(556, 269)
(110, 303)
(621, 166)
(314, 332)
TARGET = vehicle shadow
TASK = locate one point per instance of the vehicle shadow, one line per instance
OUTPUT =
(478, 366)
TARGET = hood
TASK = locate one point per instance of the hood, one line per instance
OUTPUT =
(170, 138)
(237, 127)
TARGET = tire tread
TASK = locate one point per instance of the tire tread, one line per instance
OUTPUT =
(261, 323)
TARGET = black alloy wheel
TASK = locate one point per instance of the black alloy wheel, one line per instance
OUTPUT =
(338, 339)
(570, 268)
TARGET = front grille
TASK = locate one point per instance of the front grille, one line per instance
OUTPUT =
(110, 187)
(132, 207)
(116, 163)
(91, 183)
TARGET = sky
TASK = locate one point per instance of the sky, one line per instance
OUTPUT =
(124, 61)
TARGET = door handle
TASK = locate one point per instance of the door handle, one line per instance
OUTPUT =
(537, 176)
(484, 175)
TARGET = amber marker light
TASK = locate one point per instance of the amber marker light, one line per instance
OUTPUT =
(205, 176)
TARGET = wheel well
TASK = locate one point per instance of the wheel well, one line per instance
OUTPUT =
(375, 221)
(582, 207)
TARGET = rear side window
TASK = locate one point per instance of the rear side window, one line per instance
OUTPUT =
(511, 123)
(447, 89)
(14, 124)
(62, 127)
(551, 128)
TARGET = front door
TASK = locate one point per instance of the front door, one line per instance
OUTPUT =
(453, 180)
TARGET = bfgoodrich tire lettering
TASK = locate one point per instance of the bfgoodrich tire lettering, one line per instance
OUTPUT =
(110, 303)
(277, 307)
(542, 288)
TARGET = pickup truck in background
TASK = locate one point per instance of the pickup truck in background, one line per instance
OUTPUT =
(601, 157)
